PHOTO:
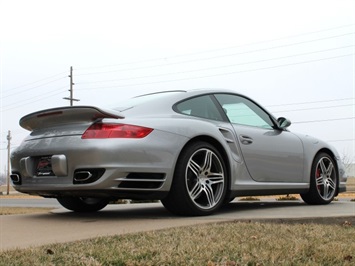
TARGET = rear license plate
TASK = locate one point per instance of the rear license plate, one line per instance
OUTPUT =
(44, 166)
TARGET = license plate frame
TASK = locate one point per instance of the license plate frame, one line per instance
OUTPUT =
(44, 166)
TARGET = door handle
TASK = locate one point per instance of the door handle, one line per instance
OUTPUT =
(246, 140)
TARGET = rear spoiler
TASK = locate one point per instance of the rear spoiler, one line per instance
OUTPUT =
(66, 115)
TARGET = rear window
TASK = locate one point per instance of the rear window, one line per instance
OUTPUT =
(202, 106)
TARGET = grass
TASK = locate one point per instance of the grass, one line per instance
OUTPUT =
(287, 197)
(249, 198)
(280, 242)
(22, 210)
(236, 243)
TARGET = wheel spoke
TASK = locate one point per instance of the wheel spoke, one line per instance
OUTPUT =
(325, 191)
(330, 169)
(323, 167)
(196, 191)
(320, 181)
(194, 167)
(331, 184)
(216, 178)
(210, 195)
(208, 161)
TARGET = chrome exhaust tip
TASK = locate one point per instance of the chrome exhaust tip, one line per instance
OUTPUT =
(16, 179)
(82, 176)
(86, 176)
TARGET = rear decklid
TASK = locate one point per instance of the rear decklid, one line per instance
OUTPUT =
(65, 120)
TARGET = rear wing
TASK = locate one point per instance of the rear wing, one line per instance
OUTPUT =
(66, 115)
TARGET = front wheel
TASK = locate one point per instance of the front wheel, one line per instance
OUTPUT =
(324, 181)
(81, 204)
(200, 181)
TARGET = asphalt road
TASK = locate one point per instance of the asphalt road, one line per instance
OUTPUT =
(60, 225)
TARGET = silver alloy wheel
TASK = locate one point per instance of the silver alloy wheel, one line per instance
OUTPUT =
(325, 177)
(205, 179)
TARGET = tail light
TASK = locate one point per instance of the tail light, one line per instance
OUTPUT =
(106, 131)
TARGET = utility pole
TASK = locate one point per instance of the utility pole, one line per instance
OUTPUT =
(71, 99)
(8, 161)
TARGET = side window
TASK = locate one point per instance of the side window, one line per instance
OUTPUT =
(243, 111)
(202, 106)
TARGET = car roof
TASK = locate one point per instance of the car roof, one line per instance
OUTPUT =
(163, 101)
(170, 96)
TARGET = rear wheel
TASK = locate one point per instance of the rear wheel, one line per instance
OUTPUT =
(324, 181)
(200, 181)
(81, 204)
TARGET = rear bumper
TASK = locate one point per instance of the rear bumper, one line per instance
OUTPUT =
(126, 168)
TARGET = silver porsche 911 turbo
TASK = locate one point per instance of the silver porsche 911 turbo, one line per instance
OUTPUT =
(193, 150)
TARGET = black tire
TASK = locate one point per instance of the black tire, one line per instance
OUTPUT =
(323, 181)
(79, 204)
(200, 181)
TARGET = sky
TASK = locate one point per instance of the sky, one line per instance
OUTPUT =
(296, 58)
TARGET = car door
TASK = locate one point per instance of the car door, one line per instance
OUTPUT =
(270, 153)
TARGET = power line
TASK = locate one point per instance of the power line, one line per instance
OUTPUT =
(14, 88)
(221, 49)
(335, 36)
(340, 140)
(219, 74)
(47, 94)
(219, 56)
(8, 107)
(219, 67)
(13, 132)
(312, 108)
(203, 52)
(25, 90)
(312, 102)
(326, 120)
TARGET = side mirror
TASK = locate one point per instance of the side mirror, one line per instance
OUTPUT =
(283, 123)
